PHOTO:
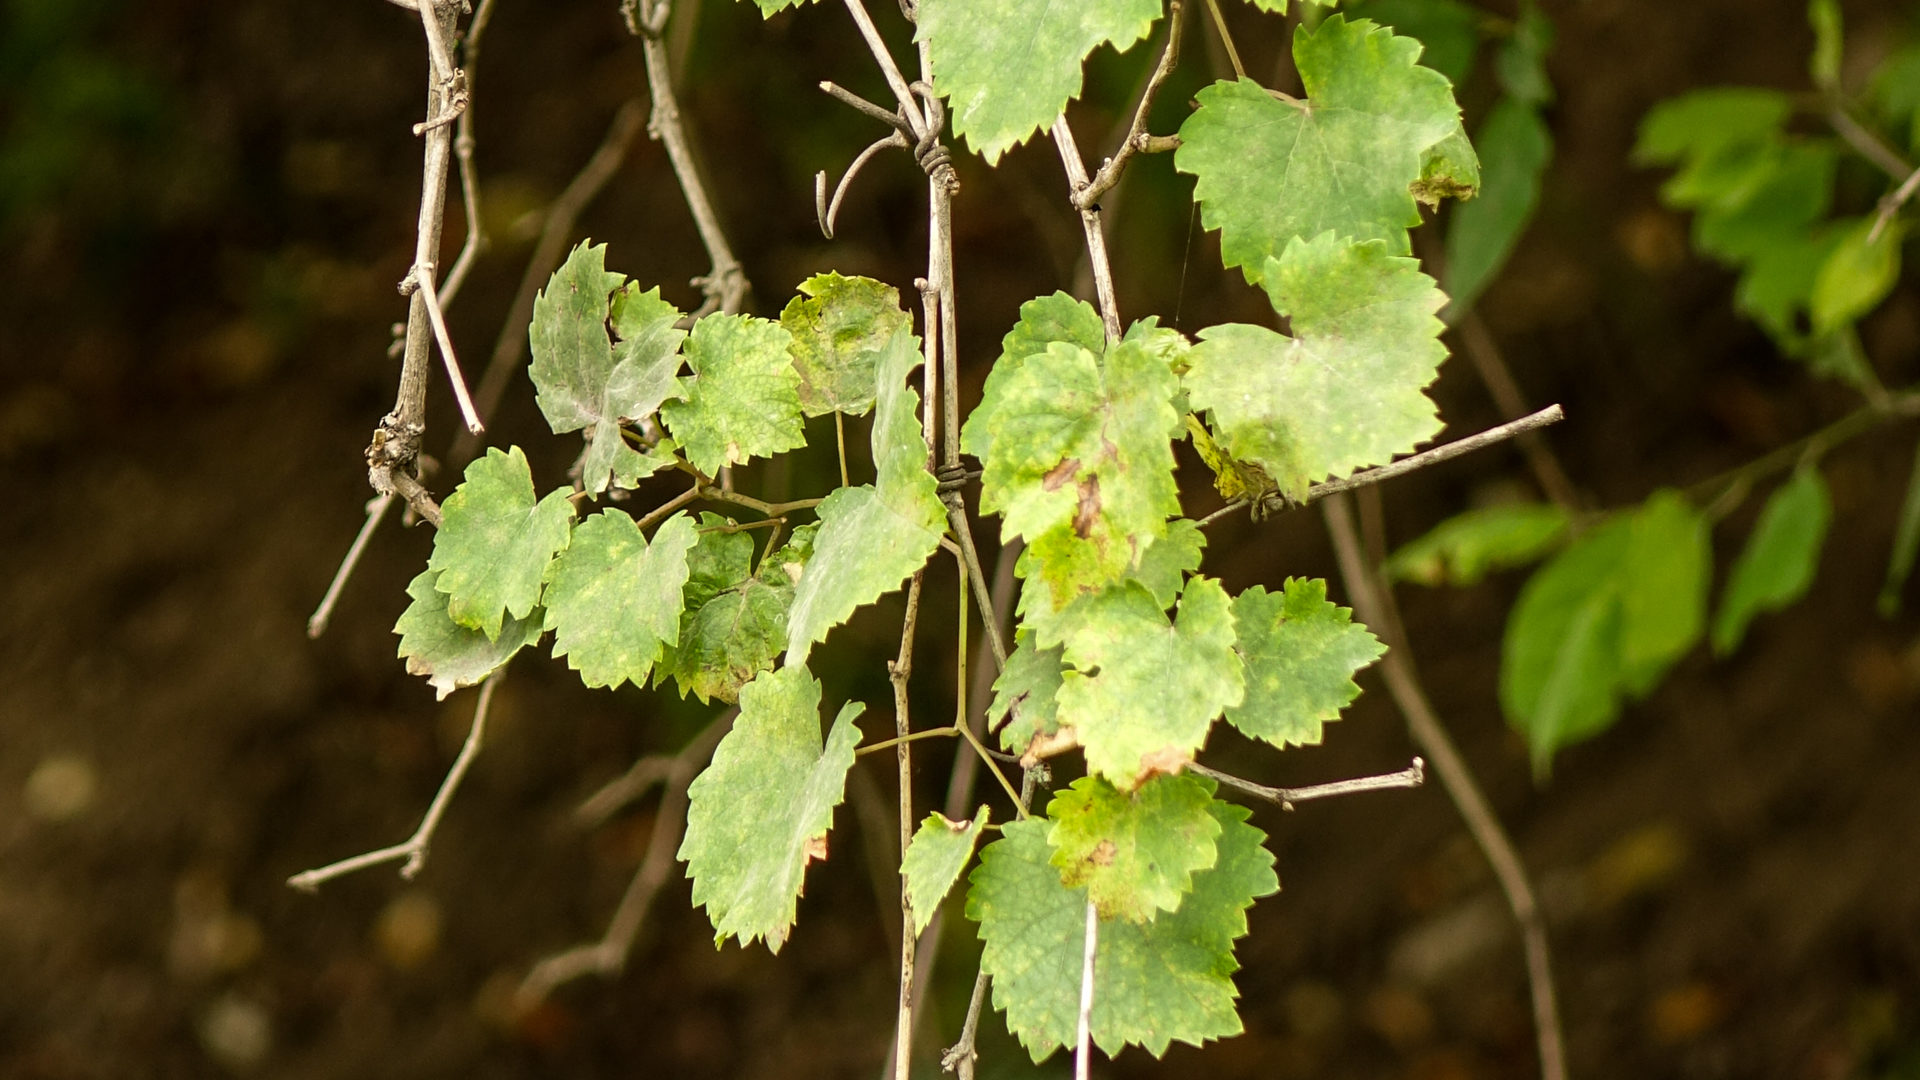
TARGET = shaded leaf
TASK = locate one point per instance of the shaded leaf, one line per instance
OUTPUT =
(1136, 853)
(742, 401)
(735, 624)
(450, 655)
(1906, 543)
(1856, 276)
(840, 327)
(1025, 692)
(495, 541)
(1300, 653)
(1482, 233)
(938, 852)
(1466, 547)
(613, 600)
(1776, 567)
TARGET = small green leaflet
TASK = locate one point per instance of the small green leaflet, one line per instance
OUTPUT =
(1077, 457)
(735, 622)
(1604, 619)
(1008, 67)
(1521, 62)
(1155, 983)
(1824, 65)
(1856, 276)
(1345, 159)
(583, 380)
(495, 542)
(448, 654)
(1025, 692)
(840, 327)
(760, 812)
(1136, 853)
(1776, 567)
(1700, 126)
(1466, 547)
(768, 7)
(1345, 391)
(874, 536)
(1144, 690)
(938, 852)
(1482, 232)
(1300, 653)
(613, 600)
(742, 401)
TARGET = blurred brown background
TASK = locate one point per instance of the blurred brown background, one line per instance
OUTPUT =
(203, 211)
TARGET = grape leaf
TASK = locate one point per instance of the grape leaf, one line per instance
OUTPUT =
(1345, 391)
(742, 401)
(1143, 687)
(873, 536)
(1136, 853)
(939, 851)
(1776, 567)
(1162, 568)
(1482, 233)
(1078, 459)
(1154, 983)
(450, 655)
(583, 381)
(1345, 159)
(1448, 31)
(769, 7)
(1279, 7)
(1300, 653)
(760, 812)
(495, 542)
(1232, 478)
(1043, 321)
(840, 327)
(1025, 691)
(736, 619)
(1464, 548)
(1449, 169)
(613, 600)
(1008, 67)
(1604, 620)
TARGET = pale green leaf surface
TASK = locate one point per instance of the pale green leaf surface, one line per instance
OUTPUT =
(1857, 275)
(1481, 233)
(450, 655)
(1026, 691)
(613, 600)
(1663, 588)
(1449, 169)
(840, 327)
(874, 536)
(1164, 566)
(936, 855)
(760, 812)
(495, 541)
(1156, 983)
(735, 624)
(1135, 852)
(1448, 30)
(1466, 547)
(742, 401)
(1776, 567)
(1346, 391)
(1144, 686)
(1008, 67)
(1300, 652)
(1043, 321)
(1345, 159)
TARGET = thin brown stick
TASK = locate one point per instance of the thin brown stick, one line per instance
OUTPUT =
(1891, 205)
(377, 508)
(1410, 777)
(1135, 140)
(476, 242)
(829, 212)
(909, 105)
(424, 282)
(725, 284)
(414, 848)
(1375, 607)
(1867, 144)
(1226, 39)
(899, 671)
(1497, 377)
(1077, 182)
(608, 956)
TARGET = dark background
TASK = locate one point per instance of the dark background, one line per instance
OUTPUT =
(203, 210)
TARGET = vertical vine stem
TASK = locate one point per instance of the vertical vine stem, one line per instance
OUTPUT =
(1083, 1030)
(898, 671)
(1375, 606)
(1077, 182)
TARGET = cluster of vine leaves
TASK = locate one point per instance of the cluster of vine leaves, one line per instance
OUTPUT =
(1123, 649)
(1618, 604)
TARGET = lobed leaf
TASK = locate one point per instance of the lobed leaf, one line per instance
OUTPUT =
(1025, 694)
(840, 327)
(450, 655)
(1300, 654)
(491, 553)
(936, 855)
(1135, 852)
(743, 400)
(735, 624)
(760, 812)
(614, 600)
(1777, 565)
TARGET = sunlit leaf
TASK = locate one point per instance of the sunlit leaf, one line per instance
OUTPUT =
(495, 542)
(1301, 653)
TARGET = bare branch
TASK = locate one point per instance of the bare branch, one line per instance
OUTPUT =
(422, 279)
(414, 848)
(1090, 223)
(1891, 205)
(909, 105)
(1136, 137)
(1375, 607)
(1485, 354)
(1226, 39)
(1866, 143)
(847, 97)
(1083, 1031)
(898, 672)
(377, 508)
(1410, 777)
(463, 144)
(725, 284)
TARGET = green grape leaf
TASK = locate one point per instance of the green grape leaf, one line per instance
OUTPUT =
(1777, 565)
(1466, 547)
(1136, 853)
(769, 7)
(938, 852)
(1346, 391)
(1604, 620)
(1449, 169)
(1857, 275)
(1024, 694)
(1279, 7)
(743, 400)
(1345, 159)
(840, 327)
(495, 541)
(1155, 983)
(1164, 566)
(1143, 689)
(1043, 321)
(1895, 91)
(760, 812)
(1482, 233)
(736, 619)
(1300, 653)
(1079, 459)
(1448, 31)
(1008, 67)
(613, 600)
(450, 655)
(874, 536)
(1232, 478)
(583, 381)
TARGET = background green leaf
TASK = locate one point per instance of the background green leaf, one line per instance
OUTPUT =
(1776, 567)
(1466, 547)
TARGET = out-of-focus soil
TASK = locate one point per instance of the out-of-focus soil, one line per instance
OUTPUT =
(194, 303)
